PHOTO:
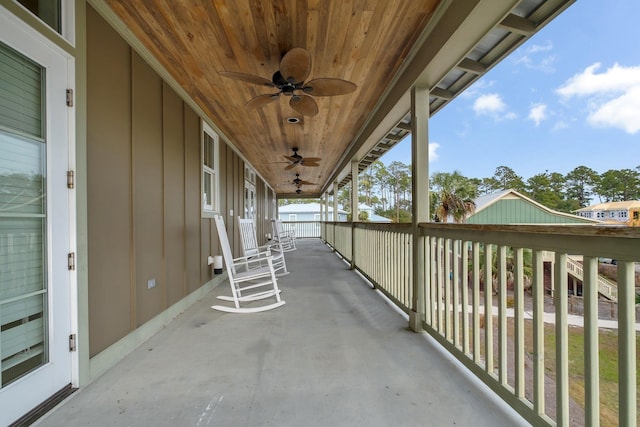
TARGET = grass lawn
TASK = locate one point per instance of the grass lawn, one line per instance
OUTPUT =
(608, 343)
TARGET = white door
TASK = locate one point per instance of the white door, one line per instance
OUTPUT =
(36, 210)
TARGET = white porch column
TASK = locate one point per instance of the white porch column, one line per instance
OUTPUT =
(420, 196)
(354, 210)
(354, 190)
(335, 201)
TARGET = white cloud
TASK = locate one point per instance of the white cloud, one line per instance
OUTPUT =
(622, 112)
(560, 125)
(492, 105)
(489, 104)
(613, 96)
(538, 113)
(536, 57)
(433, 151)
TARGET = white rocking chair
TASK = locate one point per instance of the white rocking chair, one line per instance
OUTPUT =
(286, 238)
(245, 285)
(250, 248)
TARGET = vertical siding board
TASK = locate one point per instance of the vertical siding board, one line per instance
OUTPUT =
(147, 172)
(192, 192)
(174, 236)
(108, 193)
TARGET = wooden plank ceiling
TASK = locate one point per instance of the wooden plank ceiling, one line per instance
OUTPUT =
(362, 41)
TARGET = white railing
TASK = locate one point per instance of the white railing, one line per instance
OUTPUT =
(303, 229)
(512, 350)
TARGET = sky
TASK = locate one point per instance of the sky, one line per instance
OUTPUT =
(568, 97)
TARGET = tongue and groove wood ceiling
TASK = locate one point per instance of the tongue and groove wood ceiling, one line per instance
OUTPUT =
(383, 46)
(364, 42)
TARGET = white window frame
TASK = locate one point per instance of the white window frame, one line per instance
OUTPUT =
(293, 217)
(67, 20)
(210, 174)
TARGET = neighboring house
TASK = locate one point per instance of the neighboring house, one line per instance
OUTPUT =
(627, 212)
(511, 207)
(371, 216)
(307, 212)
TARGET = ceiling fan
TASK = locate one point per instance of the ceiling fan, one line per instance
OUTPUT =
(298, 160)
(295, 67)
(300, 182)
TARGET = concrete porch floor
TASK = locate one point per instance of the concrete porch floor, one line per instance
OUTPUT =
(336, 354)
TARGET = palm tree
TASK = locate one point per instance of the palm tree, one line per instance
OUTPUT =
(454, 194)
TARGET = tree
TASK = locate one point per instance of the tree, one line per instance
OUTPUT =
(546, 189)
(399, 180)
(508, 179)
(579, 185)
(618, 185)
(454, 194)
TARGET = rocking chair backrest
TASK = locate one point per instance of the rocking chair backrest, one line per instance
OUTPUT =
(248, 236)
(226, 248)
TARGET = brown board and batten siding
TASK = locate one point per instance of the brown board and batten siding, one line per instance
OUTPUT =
(145, 222)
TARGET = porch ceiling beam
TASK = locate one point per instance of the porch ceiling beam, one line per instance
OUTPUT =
(472, 66)
(442, 93)
(518, 24)
(404, 126)
(393, 137)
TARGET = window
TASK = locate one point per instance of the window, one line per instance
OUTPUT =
(293, 217)
(316, 217)
(50, 12)
(210, 179)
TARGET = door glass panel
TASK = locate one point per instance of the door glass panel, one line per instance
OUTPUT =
(23, 277)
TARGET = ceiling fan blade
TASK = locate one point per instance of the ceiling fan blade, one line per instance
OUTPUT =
(249, 78)
(311, 165)
(291, 166)
(295, 66)
(292, 159)
(304, 105)
(329, 87)
(262, 100)
(312, 159)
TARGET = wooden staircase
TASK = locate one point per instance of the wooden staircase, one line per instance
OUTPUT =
(606, 288)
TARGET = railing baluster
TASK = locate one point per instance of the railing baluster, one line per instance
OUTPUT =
(562, 341)
(476, 302)
(447, 272)
(427, 277)
(538, 333)
(488, 309)
(465, 297)
(434, 282)
(440, 288)
(519, 323)
(456, 294)
(627, 344)
(502, 314)
(591, 353)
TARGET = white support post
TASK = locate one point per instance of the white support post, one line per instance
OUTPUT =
(420, 195)
(354, 209)
(335, 201)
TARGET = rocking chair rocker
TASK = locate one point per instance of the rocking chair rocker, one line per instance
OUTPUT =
(245, 285)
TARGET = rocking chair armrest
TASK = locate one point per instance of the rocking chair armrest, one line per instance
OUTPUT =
(259, 256)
